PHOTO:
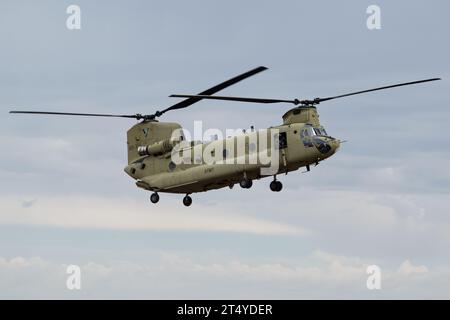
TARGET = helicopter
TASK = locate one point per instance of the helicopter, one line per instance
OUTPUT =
(300, 141)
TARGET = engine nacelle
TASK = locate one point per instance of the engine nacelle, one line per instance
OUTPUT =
(156, 148)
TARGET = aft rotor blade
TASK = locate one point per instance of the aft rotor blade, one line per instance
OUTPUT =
(318, 100)
(241, 99)
(191, 100)
(136, 116)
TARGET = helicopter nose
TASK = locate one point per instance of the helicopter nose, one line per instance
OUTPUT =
(327, 146)
(335, 145)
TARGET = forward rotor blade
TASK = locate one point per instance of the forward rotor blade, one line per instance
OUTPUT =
(136, 116)
(318, 100)
(296, 101)
(210, 91)
(241, 99)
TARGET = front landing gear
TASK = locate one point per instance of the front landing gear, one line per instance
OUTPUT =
(276, 186)
(187, 200)
(154, 198)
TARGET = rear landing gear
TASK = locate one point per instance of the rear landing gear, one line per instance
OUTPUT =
(154, 198)
(187, 200)
(246, 183)
(276, 186)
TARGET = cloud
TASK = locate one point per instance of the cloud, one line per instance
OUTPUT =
(318, 274)
(125, 214)
(407, 268)
(28, 203)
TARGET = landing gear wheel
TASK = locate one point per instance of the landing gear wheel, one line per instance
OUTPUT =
(273, 186)
(246, 183)
(276, 186)
(187, 200)
(279, 186)
(154, 198)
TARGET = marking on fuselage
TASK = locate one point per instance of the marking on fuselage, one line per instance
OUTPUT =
(209, 170)
(145, 130)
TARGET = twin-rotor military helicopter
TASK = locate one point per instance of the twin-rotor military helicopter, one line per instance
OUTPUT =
(300, 141)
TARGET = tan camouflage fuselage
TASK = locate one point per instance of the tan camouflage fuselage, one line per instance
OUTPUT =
(296, 142)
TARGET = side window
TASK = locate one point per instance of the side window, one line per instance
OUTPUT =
(172, 166)
(305, 135)
(282, 140)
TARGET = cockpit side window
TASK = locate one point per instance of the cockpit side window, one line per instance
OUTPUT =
(305, 135)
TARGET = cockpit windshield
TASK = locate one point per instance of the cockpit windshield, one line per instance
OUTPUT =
(320, 131)
(310, 131)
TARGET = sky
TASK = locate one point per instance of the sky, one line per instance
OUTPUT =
(381, 200)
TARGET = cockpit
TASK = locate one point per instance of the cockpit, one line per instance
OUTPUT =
(309, 131)
(316, 137)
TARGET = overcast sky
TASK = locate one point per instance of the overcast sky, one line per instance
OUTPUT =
(382, 199)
